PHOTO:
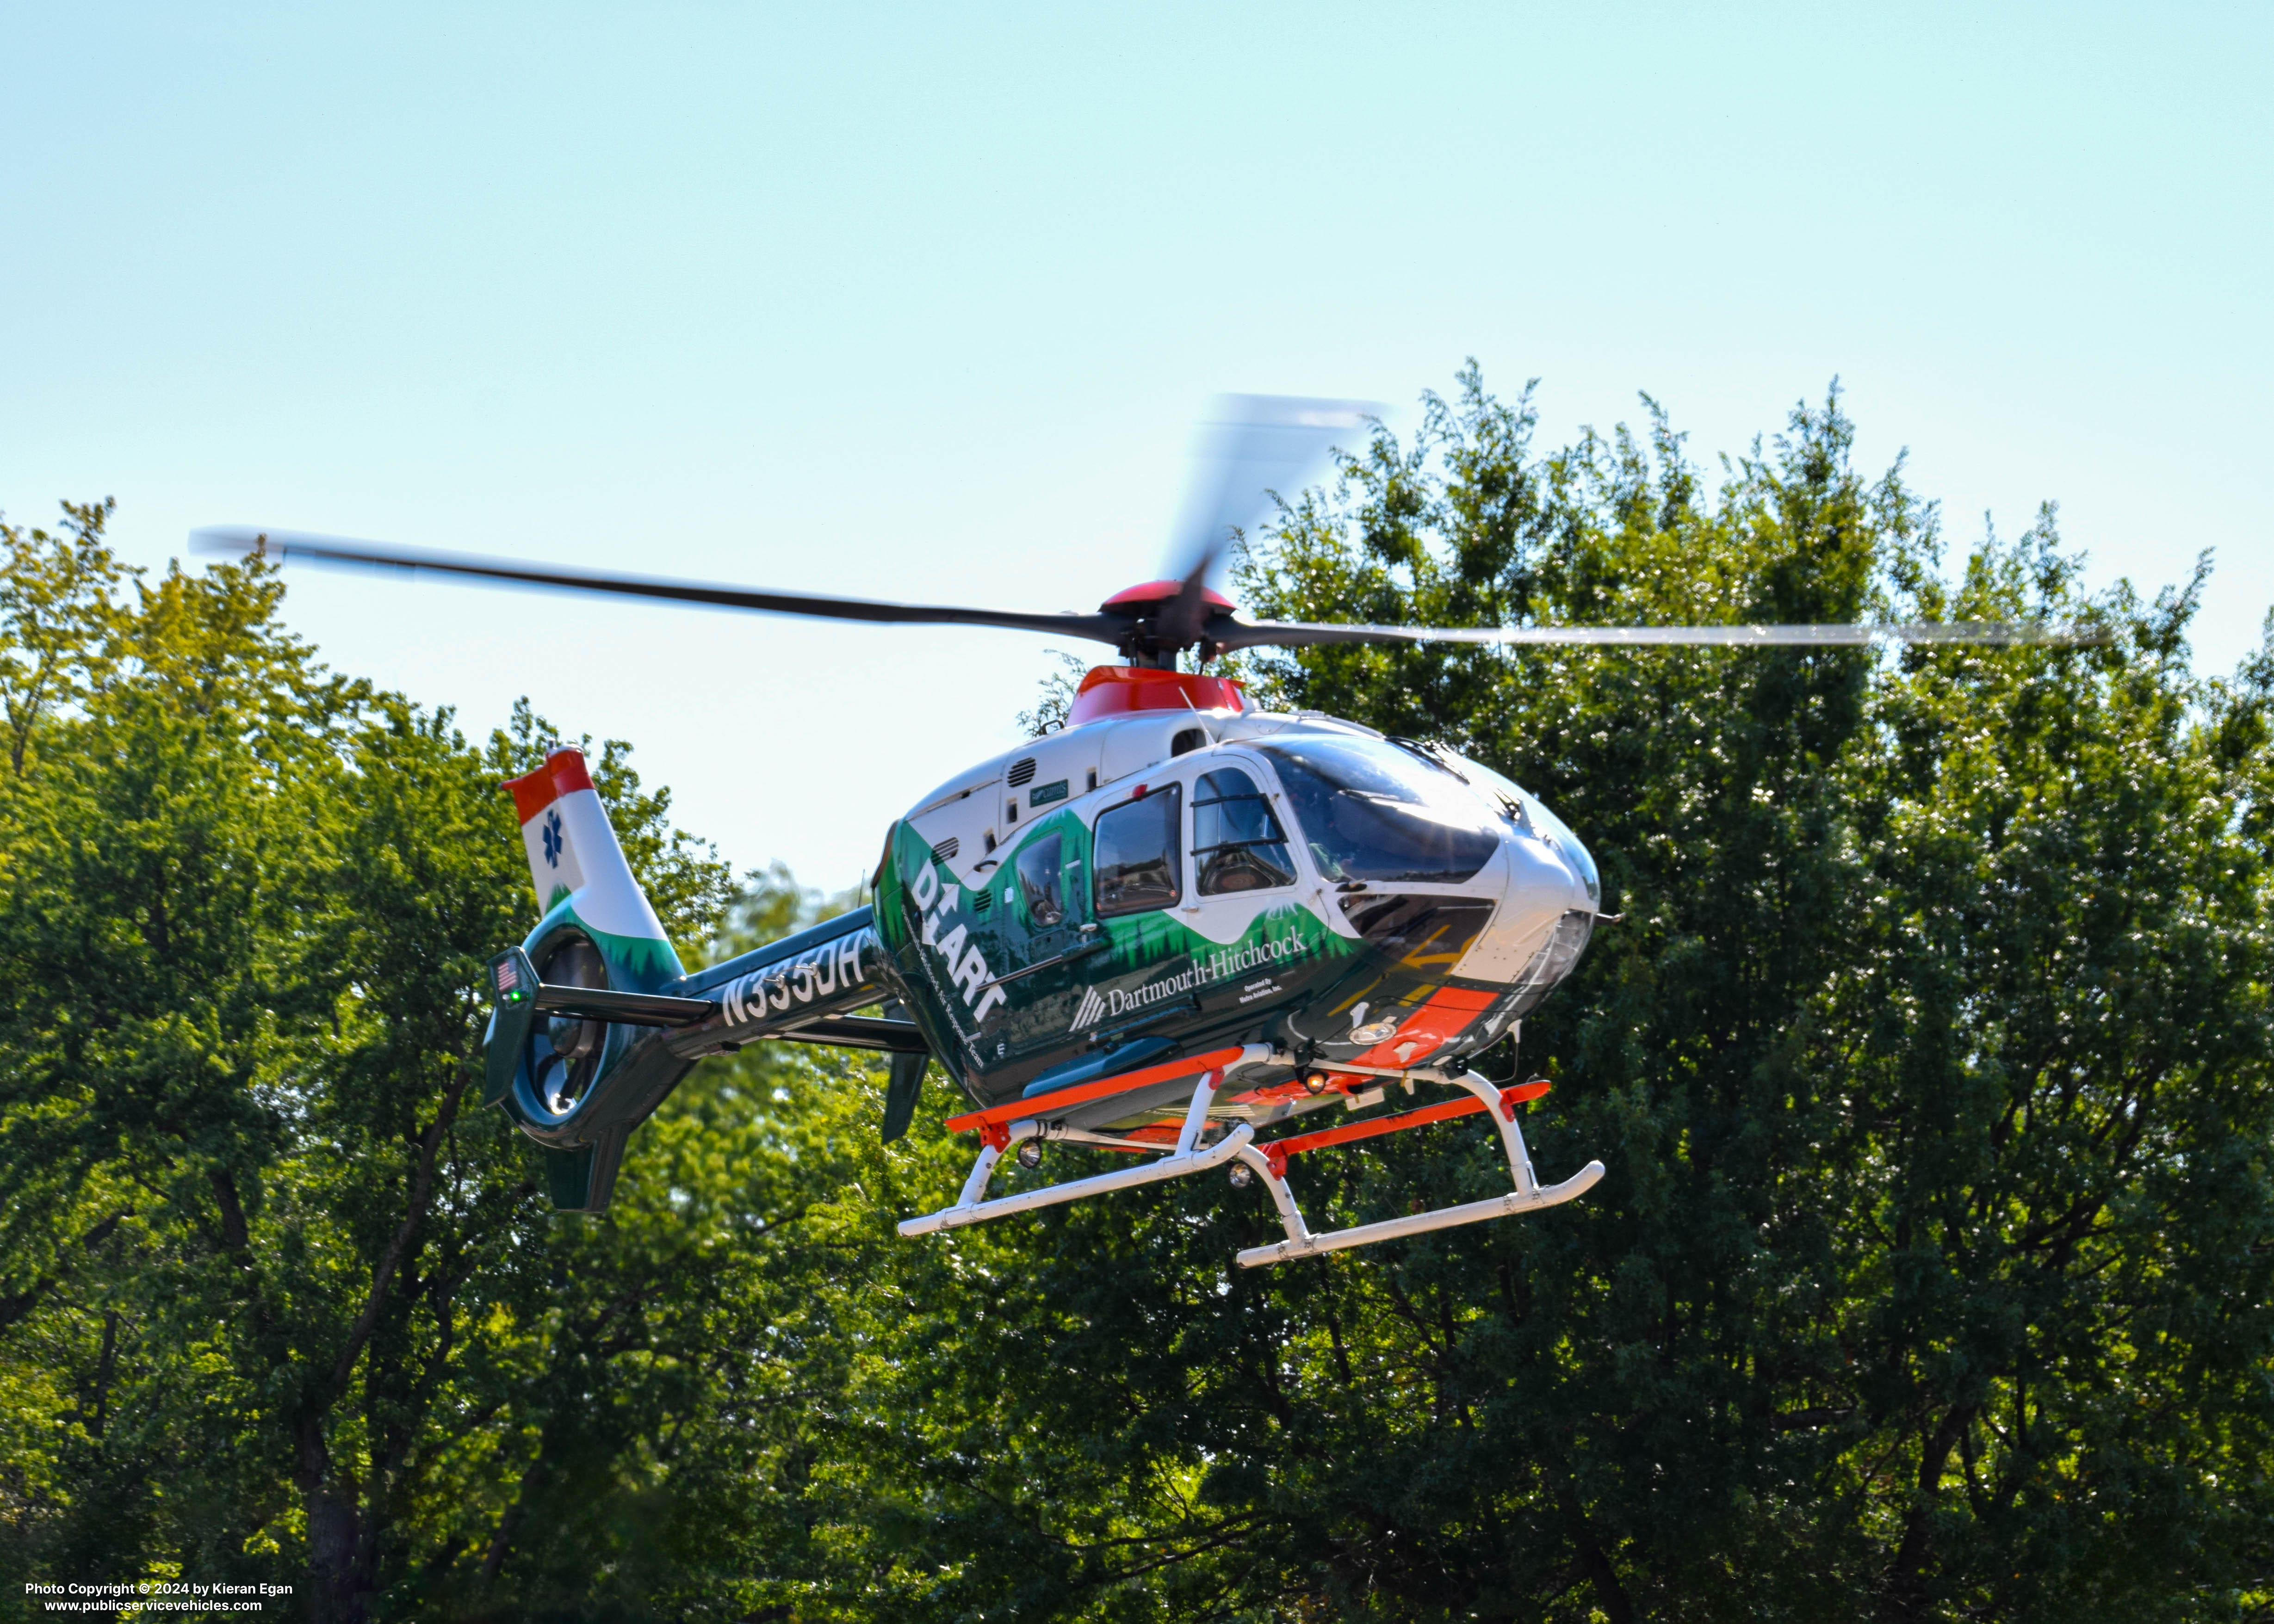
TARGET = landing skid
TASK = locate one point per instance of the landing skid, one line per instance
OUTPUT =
(1268, 1162)
(1188, 1157)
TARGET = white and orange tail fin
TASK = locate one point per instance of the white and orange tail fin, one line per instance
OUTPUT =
(577, 865)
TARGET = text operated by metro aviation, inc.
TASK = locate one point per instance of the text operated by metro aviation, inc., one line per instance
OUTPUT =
(135, 1598)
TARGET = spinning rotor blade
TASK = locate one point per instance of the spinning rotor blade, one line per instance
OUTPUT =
(341, 550)
(1228, 634)
(1252, 447)
(1211, 626)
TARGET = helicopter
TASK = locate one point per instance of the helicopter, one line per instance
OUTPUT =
(1181, 927)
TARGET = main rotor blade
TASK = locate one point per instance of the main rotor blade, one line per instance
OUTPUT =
(1251, 447)
(341, 550)
(1228, 633)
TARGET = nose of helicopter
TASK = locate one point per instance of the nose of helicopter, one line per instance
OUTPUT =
(1544, 876)
(1580, 863)
(1551, 870)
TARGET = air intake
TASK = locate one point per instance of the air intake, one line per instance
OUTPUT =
(945, 851)
(1023, 772)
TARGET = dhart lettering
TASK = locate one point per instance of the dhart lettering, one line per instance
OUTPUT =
(966, 965)
(1224, 965)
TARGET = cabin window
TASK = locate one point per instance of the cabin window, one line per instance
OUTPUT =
(1136, 858)
(1371, 811)
(1236, 843)
(1039, 882)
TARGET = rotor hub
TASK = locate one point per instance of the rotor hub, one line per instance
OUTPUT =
(1147, 644)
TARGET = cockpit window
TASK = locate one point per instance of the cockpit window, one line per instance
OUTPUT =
(1039, 883)
(1137, 855)
(1237, 843)
(1371, 811)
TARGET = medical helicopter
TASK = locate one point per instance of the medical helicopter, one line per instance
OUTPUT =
(1181, 927)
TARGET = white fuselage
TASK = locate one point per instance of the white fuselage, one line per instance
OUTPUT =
(1539, 876)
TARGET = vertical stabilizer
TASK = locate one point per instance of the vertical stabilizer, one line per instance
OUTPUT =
(577, 865)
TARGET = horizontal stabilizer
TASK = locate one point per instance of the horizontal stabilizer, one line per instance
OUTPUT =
(628, 1009)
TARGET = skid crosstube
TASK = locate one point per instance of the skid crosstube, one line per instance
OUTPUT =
(1003, 1126)
(1269, 1161)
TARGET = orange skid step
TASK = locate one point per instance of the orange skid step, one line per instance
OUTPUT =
(1279, 1150)
(1081, 1094)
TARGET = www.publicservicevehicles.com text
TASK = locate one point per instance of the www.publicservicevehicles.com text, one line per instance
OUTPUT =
(148, 1596)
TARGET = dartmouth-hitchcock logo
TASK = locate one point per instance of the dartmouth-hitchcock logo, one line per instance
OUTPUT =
(1218, 967)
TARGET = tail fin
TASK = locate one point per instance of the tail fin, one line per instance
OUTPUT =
(580, 873)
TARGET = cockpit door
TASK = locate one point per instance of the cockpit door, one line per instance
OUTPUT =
(1237, 844)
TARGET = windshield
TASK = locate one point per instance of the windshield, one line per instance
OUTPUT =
(1370, 811)
(1525, 809)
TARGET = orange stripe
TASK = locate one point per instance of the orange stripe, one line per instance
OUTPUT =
(1050, 1104)
(568, 770)
(563, 773)
(531, 795)
(1447, 1109)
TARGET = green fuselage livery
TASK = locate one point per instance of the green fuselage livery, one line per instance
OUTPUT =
(1086, 992)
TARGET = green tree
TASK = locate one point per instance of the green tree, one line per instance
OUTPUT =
(276, 1306)
(59, 622)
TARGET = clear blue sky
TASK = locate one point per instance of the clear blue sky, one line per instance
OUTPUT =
(922, 302)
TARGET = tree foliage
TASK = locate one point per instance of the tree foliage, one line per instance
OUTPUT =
(1929, 1059)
